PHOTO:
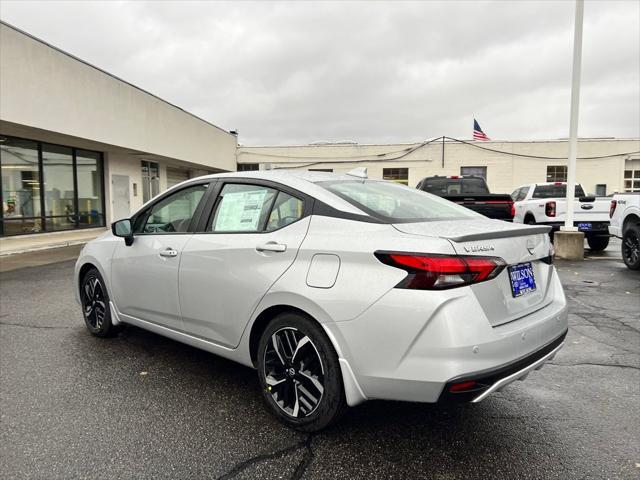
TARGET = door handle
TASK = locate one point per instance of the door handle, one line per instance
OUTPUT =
(169, 252)
(271, 247)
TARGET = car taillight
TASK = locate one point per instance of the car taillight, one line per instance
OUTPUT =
(439, 272)
(550, 209)
(612, 208)
(513, 209)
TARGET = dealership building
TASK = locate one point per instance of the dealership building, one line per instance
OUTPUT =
(80, 147)
(605, 165)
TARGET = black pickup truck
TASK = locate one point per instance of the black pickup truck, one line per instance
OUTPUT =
(472, 192)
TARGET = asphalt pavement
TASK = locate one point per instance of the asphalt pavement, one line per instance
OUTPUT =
(142, 406)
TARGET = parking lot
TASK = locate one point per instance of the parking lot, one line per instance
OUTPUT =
(142, 406)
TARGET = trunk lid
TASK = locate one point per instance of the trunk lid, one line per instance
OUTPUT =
(585, 209)
(516, 244)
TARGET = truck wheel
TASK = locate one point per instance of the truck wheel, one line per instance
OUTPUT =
(631, 247)
(598, 244)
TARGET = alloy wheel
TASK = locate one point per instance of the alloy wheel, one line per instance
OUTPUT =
(631, 247)
(94, 302)
(293, 372)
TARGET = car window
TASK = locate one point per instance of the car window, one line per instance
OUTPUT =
(396, 203)
(242, 208)
(174, 213)
(286, 210)
(520, 194)
(555, 191)
(453, 186)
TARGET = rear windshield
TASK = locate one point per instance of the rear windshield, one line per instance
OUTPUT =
(555, 191)
(454, 186)
(396, 203)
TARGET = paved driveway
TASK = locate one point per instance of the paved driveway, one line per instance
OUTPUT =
(142, 406)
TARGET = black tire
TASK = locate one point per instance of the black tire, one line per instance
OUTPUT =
(598, 244)
(290, 375)
(95, 305)
(631, 247)
(530, 220)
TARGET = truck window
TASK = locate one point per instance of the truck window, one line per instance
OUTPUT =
(454, 186)
(555, 191)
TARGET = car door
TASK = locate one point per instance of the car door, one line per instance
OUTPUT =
(144, 275)
(252, 237)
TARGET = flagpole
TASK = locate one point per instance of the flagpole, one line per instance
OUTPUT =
(573, 123)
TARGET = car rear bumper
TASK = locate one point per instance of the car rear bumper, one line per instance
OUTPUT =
(410, 346)
(485, 383)
(615, 231)
(597, 228)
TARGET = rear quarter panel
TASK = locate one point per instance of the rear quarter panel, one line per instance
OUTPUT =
(362, 278)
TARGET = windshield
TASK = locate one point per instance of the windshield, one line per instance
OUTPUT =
(396, 203)
(454, 186)
(555, 191)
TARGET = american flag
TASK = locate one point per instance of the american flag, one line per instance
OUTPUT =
(478, 134)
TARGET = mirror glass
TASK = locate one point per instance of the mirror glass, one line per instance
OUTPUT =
(122, 228)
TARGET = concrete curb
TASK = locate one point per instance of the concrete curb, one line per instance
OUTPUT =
(39, 248)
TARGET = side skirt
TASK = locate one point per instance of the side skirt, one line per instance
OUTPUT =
(229, 353)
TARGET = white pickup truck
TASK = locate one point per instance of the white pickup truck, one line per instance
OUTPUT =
(545, 204)
(625, 224)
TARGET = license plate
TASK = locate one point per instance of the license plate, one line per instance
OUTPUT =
(584, 226)
(522, 280)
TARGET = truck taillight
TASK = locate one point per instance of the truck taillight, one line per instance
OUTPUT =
(612, 208)
(513, 209)
(550, 209)
(439, 272)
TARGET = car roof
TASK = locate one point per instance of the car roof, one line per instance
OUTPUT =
(302, 180)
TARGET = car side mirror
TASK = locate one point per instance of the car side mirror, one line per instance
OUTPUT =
(122, 228)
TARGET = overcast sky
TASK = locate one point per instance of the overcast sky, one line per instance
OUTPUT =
(286, 73)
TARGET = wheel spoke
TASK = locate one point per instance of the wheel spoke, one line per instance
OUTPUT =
(290, 339)
(314, 381)
(275, 341)
(296, 405)
(301, 343)
(272, 382)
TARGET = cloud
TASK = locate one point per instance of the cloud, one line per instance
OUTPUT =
(367, 71)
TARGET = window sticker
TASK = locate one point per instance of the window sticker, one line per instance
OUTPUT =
(240, 211)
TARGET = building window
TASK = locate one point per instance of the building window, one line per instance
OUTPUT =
(248, 167)
(632, 180)
(475, 171)
(150, 180)
(556, 173)
(601, 190)
(59, 192)
(46, 188)
(398, 175)
(90, 184)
